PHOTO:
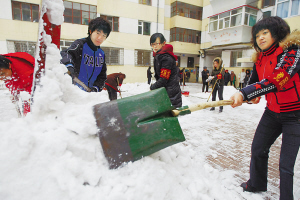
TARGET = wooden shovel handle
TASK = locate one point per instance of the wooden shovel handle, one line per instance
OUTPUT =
(188, 109)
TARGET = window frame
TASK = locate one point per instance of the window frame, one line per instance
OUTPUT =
(143, 60)
(28, 45)
(214, 21)
(185, 35)
(79, 11)
(268, 3)
(234, 55)
(13, 7)
(290, 7)
(186, 10)
(112, 22)
(146, 2)
(111, 57)
(142, 26)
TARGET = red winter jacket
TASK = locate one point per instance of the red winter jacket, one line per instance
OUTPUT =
(276, 75)
(22, 66)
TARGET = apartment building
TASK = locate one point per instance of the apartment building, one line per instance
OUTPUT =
(199, 30)
(226, 29)
(127, 48)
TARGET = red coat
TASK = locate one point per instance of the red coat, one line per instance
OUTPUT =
(22, 66)
(276, 75)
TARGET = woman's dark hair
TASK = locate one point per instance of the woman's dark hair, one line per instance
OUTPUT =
(216, 60)
(157, 35)
(278, 27)
(99, 24)
(4, 62)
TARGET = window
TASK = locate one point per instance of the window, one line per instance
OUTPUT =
(233, 18)
(267, 3)
(113, 21)
(186, 10)
(143, 57)
(64, 44)
(21, 46)
(178, 61)
(234, 56)
(190, 62)
(78, 13)
(145, 2)
(185, 35)
(287, 8)
(266, 14)
(25, 11)
(113, 56)
(144, 28)
(250, 16)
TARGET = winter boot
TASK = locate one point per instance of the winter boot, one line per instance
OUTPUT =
(248, 188)
(213, 108)
(221, 109)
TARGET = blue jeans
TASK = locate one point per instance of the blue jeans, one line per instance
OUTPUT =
(269, 129)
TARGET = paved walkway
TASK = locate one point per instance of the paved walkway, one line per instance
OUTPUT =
(233, 152)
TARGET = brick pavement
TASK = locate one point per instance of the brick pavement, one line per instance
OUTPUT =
(233, 151)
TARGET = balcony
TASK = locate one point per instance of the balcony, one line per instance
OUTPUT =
(232, 26)
(233, 35)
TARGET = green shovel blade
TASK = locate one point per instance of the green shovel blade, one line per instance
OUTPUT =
(136, 126)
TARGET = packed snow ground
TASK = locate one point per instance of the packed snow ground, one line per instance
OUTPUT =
(54, 150)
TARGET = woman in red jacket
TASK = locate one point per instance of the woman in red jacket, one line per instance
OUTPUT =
(16, 69)
(276, 75)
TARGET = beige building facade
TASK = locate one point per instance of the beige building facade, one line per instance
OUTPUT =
(199, 30)
(127, 48)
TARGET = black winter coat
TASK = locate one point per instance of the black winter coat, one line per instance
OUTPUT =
(166, 61)
(227, 77)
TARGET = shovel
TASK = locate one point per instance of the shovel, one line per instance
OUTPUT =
(137, 126)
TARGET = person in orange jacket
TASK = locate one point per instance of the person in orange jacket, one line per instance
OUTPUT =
(16, 70)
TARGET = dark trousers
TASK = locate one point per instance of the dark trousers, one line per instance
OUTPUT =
(218, 89)
(149, 80)
(205, 84)
(269, 129)
(241, 85)
(112, 93)
(232, 83)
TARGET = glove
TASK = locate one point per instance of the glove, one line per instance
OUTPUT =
(71, 71)
(209, 78)
(94, 89)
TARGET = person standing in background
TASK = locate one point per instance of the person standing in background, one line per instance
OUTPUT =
(217, 81)
(149, 75)
(242, 76)
(232, 78)
(113, 84)
(227, 77)
(204, 74)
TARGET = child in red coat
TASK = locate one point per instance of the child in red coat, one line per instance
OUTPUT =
(16, 69)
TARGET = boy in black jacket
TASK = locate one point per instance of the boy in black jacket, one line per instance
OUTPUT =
(85, 59)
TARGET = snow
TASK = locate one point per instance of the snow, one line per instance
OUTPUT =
(54, 152)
